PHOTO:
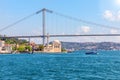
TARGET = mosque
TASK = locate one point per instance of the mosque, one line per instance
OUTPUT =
(54, 47)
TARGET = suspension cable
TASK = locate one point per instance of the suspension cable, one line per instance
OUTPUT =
(84, 21)
(25, 18)
(62, 15)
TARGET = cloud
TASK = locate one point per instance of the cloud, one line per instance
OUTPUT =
(85, 29)
(112, 16)
(109, 15)
(117, 2)
(36, 32)
(118, 15)
(113, 31)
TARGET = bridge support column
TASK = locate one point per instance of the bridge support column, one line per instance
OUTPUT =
(43, 19)
(29, 40)
(47, 39)
(43, 14)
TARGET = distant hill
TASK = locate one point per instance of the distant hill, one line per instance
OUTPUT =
(91, 46)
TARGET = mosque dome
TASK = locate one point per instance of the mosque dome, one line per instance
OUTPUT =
(57, 41)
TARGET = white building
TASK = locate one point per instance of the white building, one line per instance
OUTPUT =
(55, 46)
(5, 48)
(2, 43)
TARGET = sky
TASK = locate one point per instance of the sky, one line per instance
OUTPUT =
(106, 12)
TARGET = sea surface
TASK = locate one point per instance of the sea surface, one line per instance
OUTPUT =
(62, 66)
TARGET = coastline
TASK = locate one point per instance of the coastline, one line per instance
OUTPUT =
(42, 52)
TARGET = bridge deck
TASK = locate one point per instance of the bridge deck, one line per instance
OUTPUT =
(38, 36)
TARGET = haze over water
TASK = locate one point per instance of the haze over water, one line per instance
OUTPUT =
(73, 66)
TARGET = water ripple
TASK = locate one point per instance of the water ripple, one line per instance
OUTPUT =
(60, 66)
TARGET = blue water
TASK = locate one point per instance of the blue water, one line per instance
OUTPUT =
(72, 66)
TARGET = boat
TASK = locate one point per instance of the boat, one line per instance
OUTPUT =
(90, 53)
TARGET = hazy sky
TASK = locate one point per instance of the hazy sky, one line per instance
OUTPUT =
(105, 12)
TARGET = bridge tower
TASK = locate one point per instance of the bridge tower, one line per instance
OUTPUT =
(44, 24)
(43, 19)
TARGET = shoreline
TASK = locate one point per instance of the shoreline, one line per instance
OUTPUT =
(41, 52)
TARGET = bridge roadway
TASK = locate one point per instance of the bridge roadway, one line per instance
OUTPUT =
(82, 35)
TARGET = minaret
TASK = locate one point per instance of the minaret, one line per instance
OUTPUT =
(47, 39)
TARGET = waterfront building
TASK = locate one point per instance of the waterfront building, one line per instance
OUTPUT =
(5, 48)
(54, 46)
(2, 43)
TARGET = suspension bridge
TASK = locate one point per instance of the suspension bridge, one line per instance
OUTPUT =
(44, 26)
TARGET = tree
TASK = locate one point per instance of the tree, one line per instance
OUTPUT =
(41, 47)
(21, 48)
(28, 48)
(63, 50)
